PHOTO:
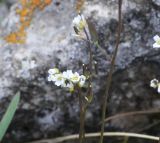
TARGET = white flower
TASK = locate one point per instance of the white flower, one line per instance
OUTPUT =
(59, 80)
(51, 77)
(154, 83)
(67, 79)
(77, 20)
(82, 80)
(75, 77)
(53, 71)
(158, 87)
(67, 74)
(157, 42)
(79, 23)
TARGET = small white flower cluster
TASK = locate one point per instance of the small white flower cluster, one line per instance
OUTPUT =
(157, 42)
(155, 84)
(67, 79)
(79, 24)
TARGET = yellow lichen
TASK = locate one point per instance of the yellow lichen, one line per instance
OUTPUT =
(25, 14)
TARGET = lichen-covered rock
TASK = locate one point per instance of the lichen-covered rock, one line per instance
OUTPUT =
(47, 111)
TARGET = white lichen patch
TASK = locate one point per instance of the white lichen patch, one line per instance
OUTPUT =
(26, 66)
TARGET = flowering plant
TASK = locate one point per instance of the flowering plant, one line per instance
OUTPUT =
(66, 79)
(154, 82)
(157, 42)
(73, 80)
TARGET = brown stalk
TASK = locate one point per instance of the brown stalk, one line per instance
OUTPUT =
(109, 79)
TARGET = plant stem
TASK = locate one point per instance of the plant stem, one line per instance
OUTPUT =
(111, 72)
(81, 105)
(133, 113)
(91, 135)
(90, 59)
(82, 117)
(125, 139)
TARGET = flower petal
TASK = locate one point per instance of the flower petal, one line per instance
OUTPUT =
(154, 83)
(156, 46)
(159, 88)
(53, 71)
(156, 37)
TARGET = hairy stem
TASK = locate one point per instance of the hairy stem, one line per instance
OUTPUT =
(109, 79)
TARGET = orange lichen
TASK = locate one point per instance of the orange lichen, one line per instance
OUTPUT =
(11, 37)
(79, 5)
(17, 37)
(25, 14)
(36, 2)
(47, 2)
(24, 2)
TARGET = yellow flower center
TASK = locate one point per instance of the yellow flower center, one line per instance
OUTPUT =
(158, 41)
(59, 78)
(74, 78)
(82, 24)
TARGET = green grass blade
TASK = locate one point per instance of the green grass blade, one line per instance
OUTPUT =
(8, 116)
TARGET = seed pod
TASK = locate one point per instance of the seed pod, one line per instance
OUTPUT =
(96, 67)
(84, 69)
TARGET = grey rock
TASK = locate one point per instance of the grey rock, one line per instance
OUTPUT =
(4, 11)
(157, 2)
(46, 109)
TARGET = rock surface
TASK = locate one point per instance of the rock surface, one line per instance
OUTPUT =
(157, 2)
(4, 11)
(47, 111)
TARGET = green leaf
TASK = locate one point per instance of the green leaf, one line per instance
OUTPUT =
(8, 116)
(92, 30)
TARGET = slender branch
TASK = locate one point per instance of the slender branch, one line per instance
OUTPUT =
(93, 135)
(101, 50)
(81, 105)
(111, 71)
(96, 44)
(152, 111)
(90, 59)
(82, 118)
(148, 126)
(125, 139)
